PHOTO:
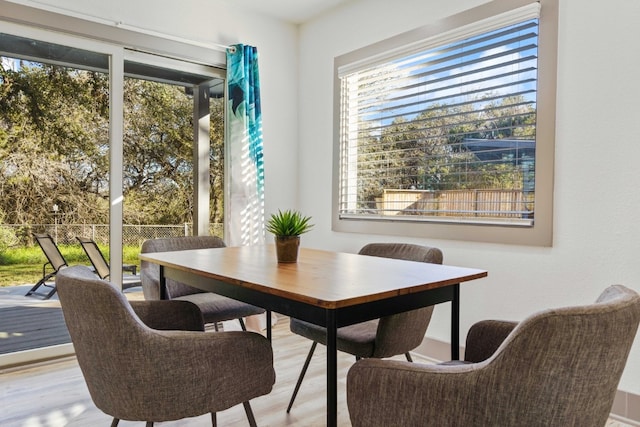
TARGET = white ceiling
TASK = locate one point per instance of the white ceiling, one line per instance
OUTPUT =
(296, 11)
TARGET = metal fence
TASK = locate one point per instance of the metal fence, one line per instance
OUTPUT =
(132, 235)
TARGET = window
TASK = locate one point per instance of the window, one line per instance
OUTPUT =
(445, 135)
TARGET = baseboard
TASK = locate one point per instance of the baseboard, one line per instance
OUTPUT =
(435, 350)
(626, 408)
(20, 358)
(626, 405)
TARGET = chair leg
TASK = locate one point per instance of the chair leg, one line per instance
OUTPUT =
(214, 420)
(40, 282)
(115, 422)
(43, 282)
(215, 326)
(250, 417)
(149, 424)
(301, 377)
(33, 289)
(244, 328)
(50, 294)
(408, 356)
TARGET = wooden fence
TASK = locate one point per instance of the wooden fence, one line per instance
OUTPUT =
(477, 203)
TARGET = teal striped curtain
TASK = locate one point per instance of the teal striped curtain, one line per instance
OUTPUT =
(245, 222)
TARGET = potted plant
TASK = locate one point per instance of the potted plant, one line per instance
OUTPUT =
(287, 226)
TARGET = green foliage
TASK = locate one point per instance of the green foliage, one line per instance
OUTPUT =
(427, 151)
(19, 274)
(129, 254)
(54, 148)
(33, 255)
(51, 121)
(7, 236)
(22, 265)
(288, 223)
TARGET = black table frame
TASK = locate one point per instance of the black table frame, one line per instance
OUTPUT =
(331, 319)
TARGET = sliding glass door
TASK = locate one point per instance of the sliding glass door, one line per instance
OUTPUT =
(106, 143)
(60, 144)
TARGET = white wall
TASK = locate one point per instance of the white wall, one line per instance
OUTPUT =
(596, 237)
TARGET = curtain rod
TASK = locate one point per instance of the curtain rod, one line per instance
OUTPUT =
(215, 46)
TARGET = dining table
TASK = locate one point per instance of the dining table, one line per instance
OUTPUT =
(327, 288)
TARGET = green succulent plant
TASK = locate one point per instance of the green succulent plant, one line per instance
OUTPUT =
(288, 223)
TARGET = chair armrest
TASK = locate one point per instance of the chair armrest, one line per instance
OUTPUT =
(132, 268)
(485, 337)
(169, 315)
(397, 393)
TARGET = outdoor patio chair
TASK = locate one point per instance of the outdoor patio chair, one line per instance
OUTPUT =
(385, 337)
(101, 266)
(558, 367)
(152, 361)
(54, 259)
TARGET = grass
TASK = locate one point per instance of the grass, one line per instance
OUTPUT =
(19, 266)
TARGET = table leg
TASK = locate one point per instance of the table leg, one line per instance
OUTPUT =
(332, 371)
(163, 284)
(455, 323)
(268, 314)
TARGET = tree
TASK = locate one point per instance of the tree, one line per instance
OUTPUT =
(48, 120)
(8, 237)
(54, 148)
(427, 151)
(157, 152)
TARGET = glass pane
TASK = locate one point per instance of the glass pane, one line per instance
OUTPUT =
(444, 134)
(54, 174)
(158, 153)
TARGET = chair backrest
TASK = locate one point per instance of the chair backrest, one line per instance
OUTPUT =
(558, 367)
(51, 251)
(135, 373)
(562, 366)
(95, 256)
(106, 333)
(403, 332)
(150, 273)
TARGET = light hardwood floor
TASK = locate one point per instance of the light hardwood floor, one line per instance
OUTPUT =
(54, 394)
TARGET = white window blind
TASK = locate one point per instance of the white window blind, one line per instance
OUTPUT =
(444, 130)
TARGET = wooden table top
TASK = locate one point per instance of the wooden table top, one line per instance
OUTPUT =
(322, 278)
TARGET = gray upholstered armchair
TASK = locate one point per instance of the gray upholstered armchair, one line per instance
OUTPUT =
(385, 337)
(215, 308)
(559, 367)
(137, 373)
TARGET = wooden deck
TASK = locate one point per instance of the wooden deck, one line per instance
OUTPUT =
(28, 323)
(29, 327)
